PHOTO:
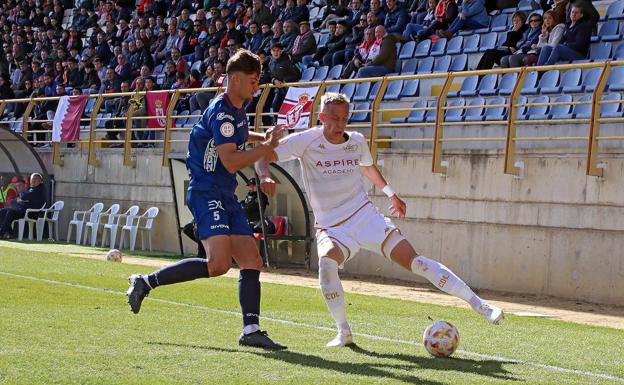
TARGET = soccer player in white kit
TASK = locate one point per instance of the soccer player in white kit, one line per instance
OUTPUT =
(333, 162)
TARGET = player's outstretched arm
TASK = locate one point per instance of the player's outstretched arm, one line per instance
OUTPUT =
(397, 206)
(234, 160)
(267, 184)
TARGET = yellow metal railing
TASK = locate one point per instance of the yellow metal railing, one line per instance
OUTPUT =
(93, 136)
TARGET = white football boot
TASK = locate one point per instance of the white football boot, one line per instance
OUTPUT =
(492, 313)
(342, 339)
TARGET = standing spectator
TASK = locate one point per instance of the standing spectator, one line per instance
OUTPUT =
(119, 108)
(385, 60)
(574, 44)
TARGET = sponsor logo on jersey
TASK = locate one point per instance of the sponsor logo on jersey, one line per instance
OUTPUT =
(227, 129)
(210, 156)
(223, 115)
(337, 163)
(241, 124)
(220, 226)
(215, 205)
(351, 148)
(321, 146)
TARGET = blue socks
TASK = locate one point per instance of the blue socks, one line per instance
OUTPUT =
(185, 270)
(249, 296)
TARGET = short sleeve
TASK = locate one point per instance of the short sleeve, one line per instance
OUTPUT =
(366, 159)
(292, 146)
(223, 127)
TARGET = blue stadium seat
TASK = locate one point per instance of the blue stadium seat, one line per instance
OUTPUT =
(180, 122)
(333, 88)
(525, 6)
(471, 44)
(600, 51)
(430, 115)
(410, 88)
(475, 114)
(500, 23)
(501, 38)
(190, 122)
(308, 74)
(562, 111)
(615, 82)
(582, 111)
(197, 65)
(323, 40)
(407, 51)
(487, 85)
(530, 82)
(522, 109)
(619, 53)
(454, 46)
(442, 64)
(590, 79)
(334, 72)
(468, 87)
(348, 89)
(321, 73)
(610, 31)
(439, 47)
(548, 81)
(454, 115)
(537, 112)
(488, 41)
(393, 91)
(414, 116)
(422, 49)
(485, 29)
(408, 67)
(363, 116)
(507, 83)
(570, 78)
(374, 90)
(361, 91)
(425, 66)
(611, 110)
(459, 63)
(418, 115)
(615, 11)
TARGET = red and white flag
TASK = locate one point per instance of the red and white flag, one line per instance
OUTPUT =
(157, 103)
(66, 124)
(295, 111)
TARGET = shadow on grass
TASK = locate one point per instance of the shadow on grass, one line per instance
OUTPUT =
(376, 370)
(490, 368)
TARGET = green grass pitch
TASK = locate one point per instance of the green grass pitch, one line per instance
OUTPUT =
(64, 320)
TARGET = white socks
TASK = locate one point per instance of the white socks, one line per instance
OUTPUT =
(444, 279)
(331, 287)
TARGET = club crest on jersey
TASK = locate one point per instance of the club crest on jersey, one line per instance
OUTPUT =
(350, 148)
(321, 146)
(227, 129)
(223, 115)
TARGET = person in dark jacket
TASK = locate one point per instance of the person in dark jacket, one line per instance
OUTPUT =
(386, 60)
(32, 198)
(494, 55)
(530, 37)
(253, 39)
(282, 70)
(445, 12)
(574, 44)
(336, 44)
(396, 18)
(305, 43)
(352, 41)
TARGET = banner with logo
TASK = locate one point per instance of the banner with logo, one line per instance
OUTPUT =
(157, 103)
(66, 124)
(295, 111)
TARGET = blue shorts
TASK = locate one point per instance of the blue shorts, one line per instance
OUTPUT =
(217, 213)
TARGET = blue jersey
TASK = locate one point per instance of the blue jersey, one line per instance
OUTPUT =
(221, 123)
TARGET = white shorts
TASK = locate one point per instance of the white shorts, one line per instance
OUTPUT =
(366, 229)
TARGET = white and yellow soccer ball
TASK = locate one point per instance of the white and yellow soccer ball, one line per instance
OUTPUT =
(114, 255)
(441, 338)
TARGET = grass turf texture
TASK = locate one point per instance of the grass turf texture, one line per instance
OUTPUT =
(54, 333)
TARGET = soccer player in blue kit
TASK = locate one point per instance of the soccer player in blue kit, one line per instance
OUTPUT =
(216, 152)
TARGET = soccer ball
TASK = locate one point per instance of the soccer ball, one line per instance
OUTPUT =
(114, 255)
(441, 338)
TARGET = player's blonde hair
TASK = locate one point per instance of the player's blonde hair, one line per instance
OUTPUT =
(333, 98)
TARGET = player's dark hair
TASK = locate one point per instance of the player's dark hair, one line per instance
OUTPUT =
(244, 61)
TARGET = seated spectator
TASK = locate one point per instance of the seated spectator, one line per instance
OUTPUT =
(445, 13)
(178, 61)
(590, 13)
(335, 11)
(494, 55)
(282, 70)
(336, 44)
(32, 198)
(560, 9)
(396, 18)
(472, 16)
(291, 31)
(302, 13)
(574, 44)
(119, 108)
(304, 44)
(385, 61)
(170, 75)
(267, 38)
(552, 32)
(412, 29)
(253, 38)
(529, 37)
(322, 50)
(379, 11)
(261, 13)
(417, 10)
(365, 53)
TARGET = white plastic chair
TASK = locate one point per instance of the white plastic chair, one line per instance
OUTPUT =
(91, 228)
(51, 217)
(133, 228)
(113, 226)
(79, 219)
(21, 224)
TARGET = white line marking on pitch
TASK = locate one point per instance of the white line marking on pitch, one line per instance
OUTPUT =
(286, 322)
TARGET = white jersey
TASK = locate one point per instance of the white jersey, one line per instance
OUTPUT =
(331, 172)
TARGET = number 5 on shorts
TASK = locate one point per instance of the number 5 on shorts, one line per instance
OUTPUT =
(215, 215)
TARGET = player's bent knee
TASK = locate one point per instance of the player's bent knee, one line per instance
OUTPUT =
(216, 269)
(253, 262)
